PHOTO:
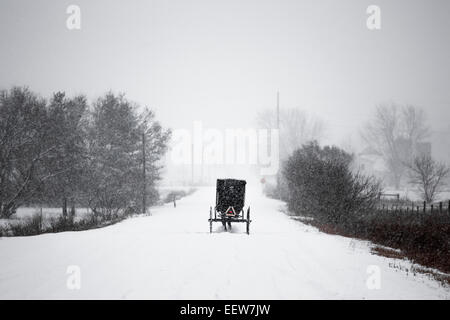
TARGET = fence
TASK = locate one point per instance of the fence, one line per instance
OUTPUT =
(420, 207)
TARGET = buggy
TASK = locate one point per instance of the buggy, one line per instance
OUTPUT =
(230, 198)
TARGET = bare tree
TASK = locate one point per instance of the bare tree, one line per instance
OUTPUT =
(296, 128)
(24, 147)
(395, 133)
(429, 176)
(116, 158)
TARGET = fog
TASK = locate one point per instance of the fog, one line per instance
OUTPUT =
(222, 62)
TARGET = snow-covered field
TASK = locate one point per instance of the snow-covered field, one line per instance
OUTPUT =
(172, 255)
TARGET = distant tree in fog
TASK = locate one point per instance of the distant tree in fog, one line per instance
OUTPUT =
(297, 127)
(395, 132)
(429, 175)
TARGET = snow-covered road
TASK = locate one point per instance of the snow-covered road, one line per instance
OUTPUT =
(172, 255)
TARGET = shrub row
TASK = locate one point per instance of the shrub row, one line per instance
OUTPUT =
(323, 186)
(36, 224)
(422, 237)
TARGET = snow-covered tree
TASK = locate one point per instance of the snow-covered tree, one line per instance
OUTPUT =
(116, 136)
(67, 130)
(61, 152)
(23, 147)
(154, 144)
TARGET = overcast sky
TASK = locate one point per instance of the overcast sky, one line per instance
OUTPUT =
(222, 61)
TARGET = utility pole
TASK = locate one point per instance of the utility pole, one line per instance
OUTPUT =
(192, 164)
(278, 128)
(144, 176)
(278, 110)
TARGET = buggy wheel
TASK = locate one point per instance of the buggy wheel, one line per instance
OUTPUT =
(248, 220)
(210, 220)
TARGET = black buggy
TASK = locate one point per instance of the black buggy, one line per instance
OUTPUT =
(230, 198)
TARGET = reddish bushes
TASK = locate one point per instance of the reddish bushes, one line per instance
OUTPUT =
(422, 237)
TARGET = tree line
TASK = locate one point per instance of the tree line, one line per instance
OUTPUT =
(66, 152)
(397, 134)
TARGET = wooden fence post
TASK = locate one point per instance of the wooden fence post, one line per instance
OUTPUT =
(440, 207)
(431, 208)
(424, 206)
